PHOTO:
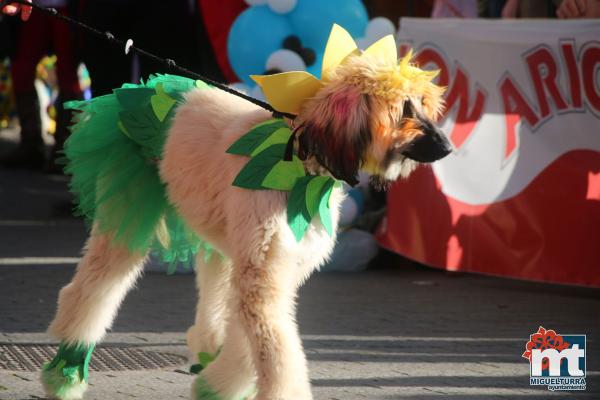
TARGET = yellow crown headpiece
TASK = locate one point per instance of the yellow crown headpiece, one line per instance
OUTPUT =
(287, 91)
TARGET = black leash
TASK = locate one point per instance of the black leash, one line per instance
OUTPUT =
(165, 61)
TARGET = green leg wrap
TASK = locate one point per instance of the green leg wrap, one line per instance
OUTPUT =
(204, 359)
(66, 376)
(203, 391)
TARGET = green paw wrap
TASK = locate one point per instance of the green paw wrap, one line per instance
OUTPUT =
(66, 376)
(203, 391)
(204, 359)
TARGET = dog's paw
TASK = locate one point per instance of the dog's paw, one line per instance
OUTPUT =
(203, 391)
(63, 386)
(300, 392)
(66, 376)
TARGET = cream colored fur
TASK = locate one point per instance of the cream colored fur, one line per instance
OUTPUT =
(88, 305)
(247, 304)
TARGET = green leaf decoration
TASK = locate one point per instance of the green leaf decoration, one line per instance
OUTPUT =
(162, 103)
(144, 128)
(202, 85)
(281, 135)
(314, 190)
(297, 214)
(256, 136)
(324, 209)
(256, 170)
(135, 97)
(72, 374)
(309, 195)
(284, 174)
(176, 85)
(196, 368)
(72, 361)
(204, 359)
(123, 129)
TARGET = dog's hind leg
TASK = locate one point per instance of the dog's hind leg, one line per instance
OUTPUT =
(86, 309)
(212, 281)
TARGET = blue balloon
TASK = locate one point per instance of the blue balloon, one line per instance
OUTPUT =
(312, 21)
(254, 36)
(315, 68)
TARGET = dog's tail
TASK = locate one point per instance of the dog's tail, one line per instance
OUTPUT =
(113, 153)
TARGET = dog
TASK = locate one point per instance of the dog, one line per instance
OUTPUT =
(368, 113)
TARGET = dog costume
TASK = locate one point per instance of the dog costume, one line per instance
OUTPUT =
(185, 171)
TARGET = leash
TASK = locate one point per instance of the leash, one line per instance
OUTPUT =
(128, 45)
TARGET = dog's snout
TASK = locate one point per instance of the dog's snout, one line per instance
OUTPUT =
(431, 146)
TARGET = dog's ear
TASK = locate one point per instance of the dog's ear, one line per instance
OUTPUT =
(335, 129)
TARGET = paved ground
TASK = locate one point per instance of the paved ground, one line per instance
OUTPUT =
(397, 332)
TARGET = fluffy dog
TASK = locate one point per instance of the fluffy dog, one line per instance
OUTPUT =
(369, 112)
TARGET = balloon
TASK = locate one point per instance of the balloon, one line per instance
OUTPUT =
(352, 206)
(257, 93)
(282, 6)
(348, 212)
(285, 60)
(315, 68)
(254, 36)
(312, 20)
(363, 43)
(378, 28)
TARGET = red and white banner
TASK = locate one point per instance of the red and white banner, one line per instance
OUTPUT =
(521, 195)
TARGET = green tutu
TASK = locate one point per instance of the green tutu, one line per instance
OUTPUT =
(113, 153)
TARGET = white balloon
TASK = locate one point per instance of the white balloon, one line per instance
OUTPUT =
(285, 60)
(378, 28)
(256, 2)
(363, 43)
(282, 6)
(257, 93)
(348, 211)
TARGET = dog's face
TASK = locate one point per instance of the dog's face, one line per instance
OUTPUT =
(374, 117)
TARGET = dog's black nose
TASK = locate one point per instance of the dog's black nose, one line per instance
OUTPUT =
(431, 146)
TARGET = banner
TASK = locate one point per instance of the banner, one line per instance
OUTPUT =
(520, 196)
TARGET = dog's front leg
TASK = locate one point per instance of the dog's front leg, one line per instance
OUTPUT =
(261, 342)
(231, 376)
(266, 308)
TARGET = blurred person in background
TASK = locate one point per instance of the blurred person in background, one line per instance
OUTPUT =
(530, 9)
(41, 35)
(172, 29)
(551, 9)
(15, 8)
(393, 10)
(455, 9)
(578, 9)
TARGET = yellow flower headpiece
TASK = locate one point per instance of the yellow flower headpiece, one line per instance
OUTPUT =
(287, 91)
